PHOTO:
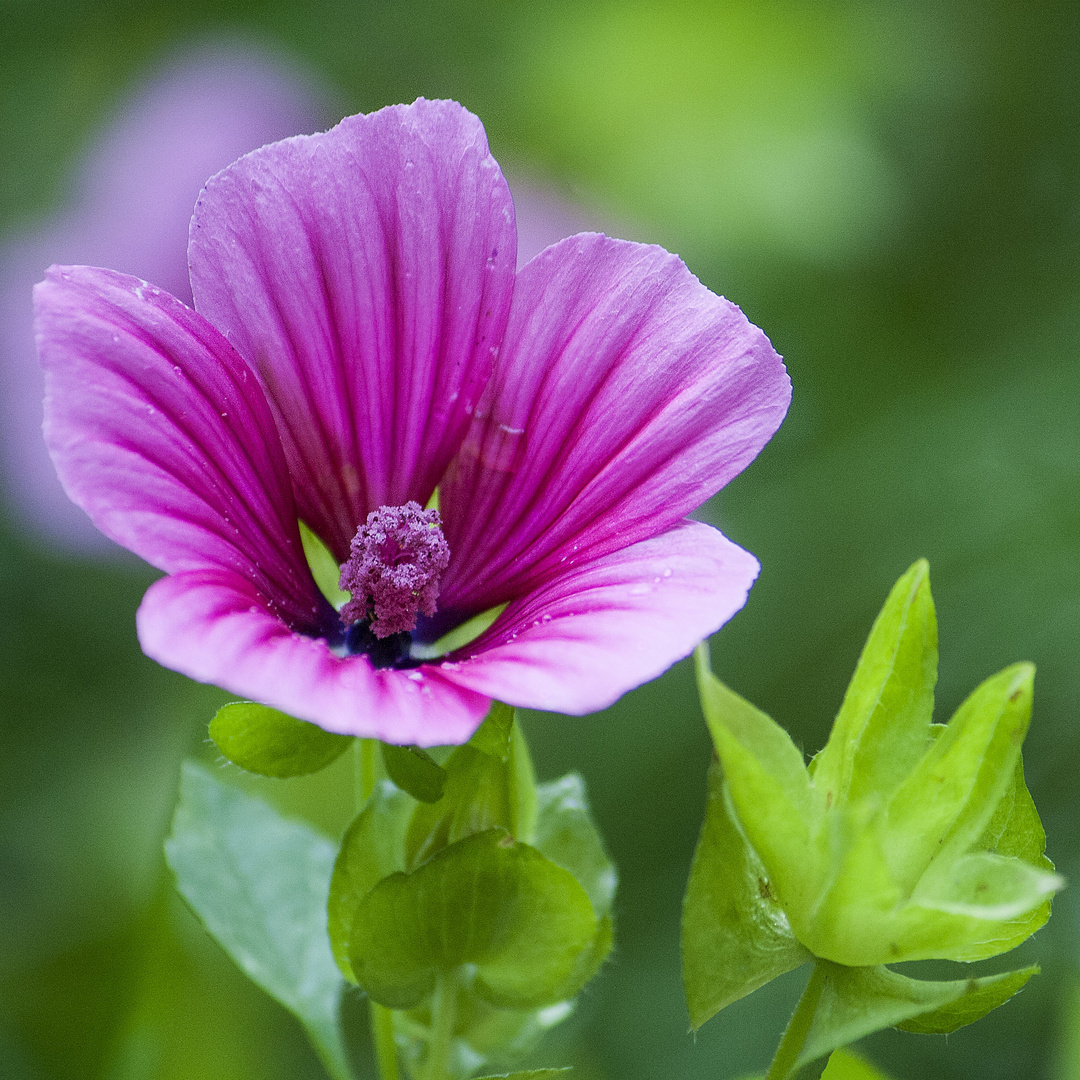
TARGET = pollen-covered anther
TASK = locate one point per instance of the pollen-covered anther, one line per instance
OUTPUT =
(396, 562)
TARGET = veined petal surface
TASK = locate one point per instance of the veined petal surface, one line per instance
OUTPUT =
(213, 626)
(366, 274)
(625, 395)
(159, 431)
(578, 642)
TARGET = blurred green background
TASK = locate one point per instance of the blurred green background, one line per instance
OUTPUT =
(892, 191)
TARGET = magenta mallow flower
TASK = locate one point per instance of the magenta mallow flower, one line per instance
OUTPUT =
(360, 338)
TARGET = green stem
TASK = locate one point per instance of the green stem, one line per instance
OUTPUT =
(382, 1034)
(443, 1018)
(794, 1038)
(364, 771)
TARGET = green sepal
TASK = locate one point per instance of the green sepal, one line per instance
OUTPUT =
(856, 1002)
(735, 936)
(487, 900)
(324, 567)
(881, 729)
(415, 771)
(258, 882)
(949, 799)
(271, 743)
(493, 736)
(984, 996)
(769, 785)
(373, 848)
(490, 784)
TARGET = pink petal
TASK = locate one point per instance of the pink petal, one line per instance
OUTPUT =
(625, 395)
(159, 431)
(577, 643)
(366, 273)
(214, 627)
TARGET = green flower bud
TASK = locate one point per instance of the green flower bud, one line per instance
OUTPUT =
(903, 839)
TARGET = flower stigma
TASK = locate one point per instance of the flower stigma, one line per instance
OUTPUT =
(396, 562)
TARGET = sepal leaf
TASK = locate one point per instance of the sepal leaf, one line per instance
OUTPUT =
(415, 771)
(881, 729)
(272, 743)
(735, 936)
(490, 784)
(769, 784)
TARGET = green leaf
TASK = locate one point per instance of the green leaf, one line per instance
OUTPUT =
(882, 727)
(490, 783)
(271, 743)
(844, 1064)
(987, 994)
(735, 936)
(324, 568)
(856, 1002)
(1015, 828)
(769, 785)
(487, 900)
(415, 771)
(259, 883)
(373, 848)
(565, 833)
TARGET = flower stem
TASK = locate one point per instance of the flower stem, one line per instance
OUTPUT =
(364, 751)
(794, 1038)
(382, 1018)
(443, 1018)
(382, 1035)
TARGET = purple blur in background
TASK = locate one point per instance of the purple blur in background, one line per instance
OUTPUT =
(131, 203)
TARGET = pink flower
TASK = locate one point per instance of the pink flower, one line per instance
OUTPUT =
(360, 338)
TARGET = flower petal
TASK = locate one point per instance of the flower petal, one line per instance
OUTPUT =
(366, 274)
(625, 395)
(160, 433)
(580, 641)
(213, 626)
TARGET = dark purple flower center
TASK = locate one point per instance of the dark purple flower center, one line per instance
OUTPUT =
(396, 561)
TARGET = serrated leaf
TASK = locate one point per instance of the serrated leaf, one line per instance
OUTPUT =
(856, 1002)
(735, 936)
(272, 743)
(373, 848)
(259, 883)
(565, 833)
(487, 900)
(881, 729)
(415, 771)
(769, 785)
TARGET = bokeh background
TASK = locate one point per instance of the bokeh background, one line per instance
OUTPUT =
(890, 188)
